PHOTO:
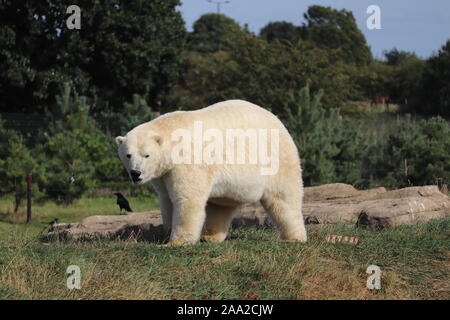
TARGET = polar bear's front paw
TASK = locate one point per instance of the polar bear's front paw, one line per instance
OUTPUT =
(217, 238)
(302, 240)
(294, 237)
(180, 242)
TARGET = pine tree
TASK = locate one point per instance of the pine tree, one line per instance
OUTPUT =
(75, 153)
(330, 149)
(15, 163)
(416, 153)
(133, 114)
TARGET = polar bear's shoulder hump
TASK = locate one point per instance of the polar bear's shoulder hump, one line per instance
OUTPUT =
(232, 104)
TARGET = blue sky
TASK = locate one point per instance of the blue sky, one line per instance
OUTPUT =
(413, 25)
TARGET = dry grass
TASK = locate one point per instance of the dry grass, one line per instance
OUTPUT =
(251, 264)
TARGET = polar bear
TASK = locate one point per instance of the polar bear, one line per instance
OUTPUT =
(190, 159)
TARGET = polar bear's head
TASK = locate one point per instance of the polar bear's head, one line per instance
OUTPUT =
(141, 154)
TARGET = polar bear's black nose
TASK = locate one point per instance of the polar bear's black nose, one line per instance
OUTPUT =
(135, 174)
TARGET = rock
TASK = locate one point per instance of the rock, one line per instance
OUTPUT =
(143, 225)
(378, 207)
(332, 203)
(337, 191)
(329, 192)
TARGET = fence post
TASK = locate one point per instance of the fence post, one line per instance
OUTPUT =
(29, 183)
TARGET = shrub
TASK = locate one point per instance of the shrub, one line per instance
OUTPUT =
(68, 171)
(331, 150)
(15, 163)
(76, 155)
(414, 154)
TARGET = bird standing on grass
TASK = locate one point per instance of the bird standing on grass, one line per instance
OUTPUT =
(122, 202)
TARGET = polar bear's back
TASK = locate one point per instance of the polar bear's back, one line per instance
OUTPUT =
(230, 114)
(240, 112)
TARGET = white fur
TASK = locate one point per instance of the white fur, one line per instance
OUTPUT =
(198, 201)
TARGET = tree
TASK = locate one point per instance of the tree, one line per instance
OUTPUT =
(405, 83)
(372, 80)
(281, 31)
(396, 57)
(133, 114)
(263, 73)
(129, 47)
(213, 32)
(330, 149)
(435, 84)
(336, 29)
(15, 163)
(122, 48)
(352, 146)
(68, 171)
(29, 71)
(416, 153)
(75, 153)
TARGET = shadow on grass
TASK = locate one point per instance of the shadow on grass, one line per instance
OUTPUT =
(141, 233)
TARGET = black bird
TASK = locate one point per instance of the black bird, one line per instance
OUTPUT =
(122, 202)
(52, 224)
(54, 221)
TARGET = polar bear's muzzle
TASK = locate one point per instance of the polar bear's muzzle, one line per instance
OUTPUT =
(135, 176)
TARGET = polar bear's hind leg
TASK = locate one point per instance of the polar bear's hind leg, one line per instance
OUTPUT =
(286, 213)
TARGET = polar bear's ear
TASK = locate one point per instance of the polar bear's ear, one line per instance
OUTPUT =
(120, 140)
(158, 139)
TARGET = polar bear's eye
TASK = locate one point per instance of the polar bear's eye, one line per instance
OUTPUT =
(147, 156)
(128, 156)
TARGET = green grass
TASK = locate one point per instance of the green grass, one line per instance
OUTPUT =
(251, 264)
(79, 209)
(365, 108)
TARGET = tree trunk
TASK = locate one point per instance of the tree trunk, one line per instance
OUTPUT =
(18, 200)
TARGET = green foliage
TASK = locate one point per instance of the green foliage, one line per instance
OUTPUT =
(352, 146)
(102, 154)
(213, 32)
(373, 80)
(75, 152)
(416, 153)
(435, 84)
(281, 31)
(15, 163)
(30, 68)
(122, 48)
(396, 57)
(405, 74)
(70, 112)
(131, 115)
(337, 29)
(263, 73)
(330, 149)
(227, 62)
(68, 170)
(405, 80)
(398, 77)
